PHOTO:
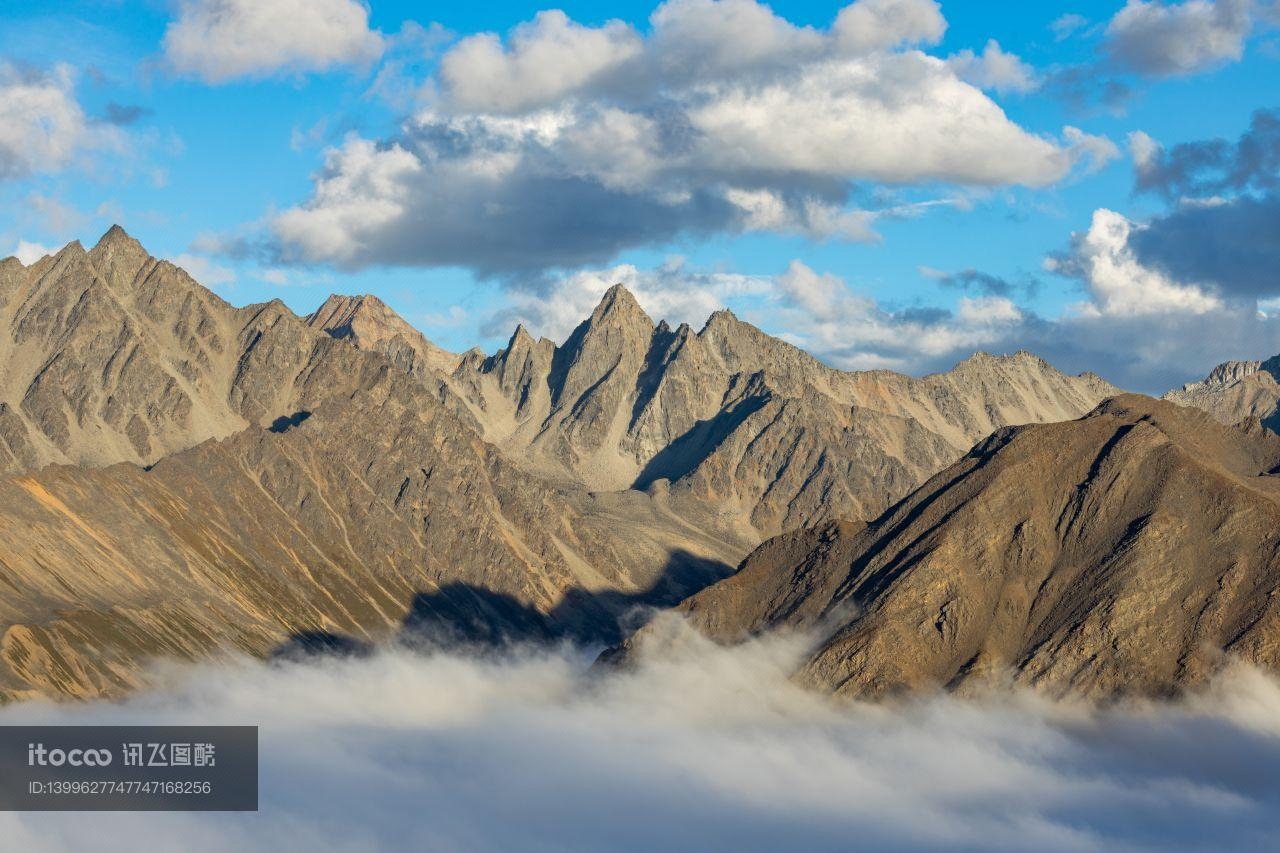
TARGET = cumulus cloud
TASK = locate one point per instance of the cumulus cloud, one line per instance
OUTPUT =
(1119, 284)
(854, 332)
(1229, 244)
(1145, 326)
(564, 144)
(42, 126)
(223, 40)
(1207, 169)
(699, 746)
(206, 271)
(870, 25)
(700, 39)
(671, 292)
(1173, 39)
(29, 252)
(544, 60)
(1221, 229)
(994, 69)
(1065, 26)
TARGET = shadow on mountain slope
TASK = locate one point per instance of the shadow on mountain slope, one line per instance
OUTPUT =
(312, 644)
(689, 450)
(467, 615)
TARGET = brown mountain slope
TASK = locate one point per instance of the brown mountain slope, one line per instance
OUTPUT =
(235, 476)
(113, 356)
(1236, 390)
(369, 323)
(377, 508)
(1120, 553)
(732, 416)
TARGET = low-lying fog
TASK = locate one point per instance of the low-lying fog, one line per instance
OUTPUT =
(697, 748)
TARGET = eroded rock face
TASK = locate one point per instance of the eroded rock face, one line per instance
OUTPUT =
(1123, 553)
(732, 416)
(368, 323)
(1236, 390)
(182, 475)
(370, 515)
(113, 356)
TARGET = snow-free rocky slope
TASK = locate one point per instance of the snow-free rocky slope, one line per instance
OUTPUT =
(1130, 552)
(732, 417)
(181, 475)
(1236, 390)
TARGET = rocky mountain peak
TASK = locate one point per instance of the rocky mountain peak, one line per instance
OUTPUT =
(1041, 558)
(118, 257)
(1235, 390)
(340, 315)
(115, 239)
(520, 339)
(74, 249)
(371, 324)
(1232, 371)
(618, 307)
(724, 318)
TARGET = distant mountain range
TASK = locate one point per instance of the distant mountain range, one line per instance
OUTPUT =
(1236, 390)
(182, 476)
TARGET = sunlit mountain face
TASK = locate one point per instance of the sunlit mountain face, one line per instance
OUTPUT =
(709, 425)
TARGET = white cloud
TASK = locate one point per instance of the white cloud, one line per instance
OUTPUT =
(769, 210)
(1065, 26)
(566, 144)
(29, 252)
(707, 38)
(546, 59)
(670, 292)
(205, 271)
(994, 69)
(454, 317)
(867, 26)
(42, 126)
(1138, 327)
(1118, 283)
(1171, 39)
(363, 188)
(852, 331)
(1144, 151)
(699, 746)
(223, 40)
(891, 117)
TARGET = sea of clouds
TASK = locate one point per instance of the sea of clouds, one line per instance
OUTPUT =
(696, 747)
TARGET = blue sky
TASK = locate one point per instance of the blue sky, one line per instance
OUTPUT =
(345, 149)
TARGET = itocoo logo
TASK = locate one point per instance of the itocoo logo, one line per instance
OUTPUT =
(37, 755)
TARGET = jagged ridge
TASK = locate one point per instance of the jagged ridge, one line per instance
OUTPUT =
(1124, 553)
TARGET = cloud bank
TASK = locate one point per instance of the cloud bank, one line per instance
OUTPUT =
(563, 144)
(43, 129)
(1141, 326)
(219, 41)
(701, 747)
(1176, 39)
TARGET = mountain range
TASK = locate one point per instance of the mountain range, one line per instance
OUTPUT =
(1125, 553)
(1236, 390)
(181, 476)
